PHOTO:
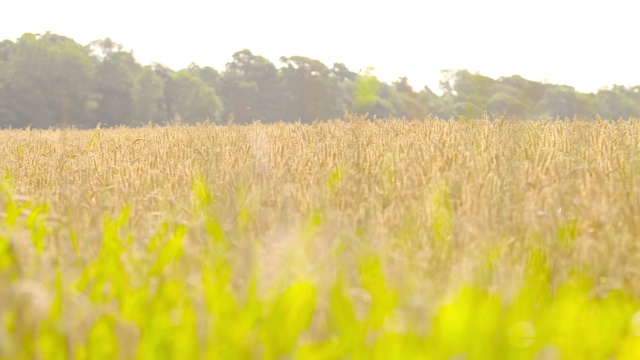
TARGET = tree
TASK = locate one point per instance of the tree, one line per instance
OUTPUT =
(252, 88)
(412, 105)
(433, 104)
(367, 92)
(147, 96)
(207, 74)
(586, 105)
(50, 81)
(311, 91)
(340, 72)
(468, 92)
(345, 87)
(558, 101)
(525, 91)
(506, 104)
(7, 48)
(190, 99)
(115, 74)
(616, 102)
(515, 96)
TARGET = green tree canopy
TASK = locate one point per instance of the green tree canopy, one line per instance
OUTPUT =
(147, 96)
(310, 89)
(558, 101)
(116, 71)
(252, 88)
(7, 49)
(49, 81)
(190, 99)
(617, 102)
(367, 92)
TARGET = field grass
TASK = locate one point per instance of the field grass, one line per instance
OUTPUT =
(354, 238)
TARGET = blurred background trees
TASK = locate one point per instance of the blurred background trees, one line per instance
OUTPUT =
(48, 80)
(251, 88)
(112, 83)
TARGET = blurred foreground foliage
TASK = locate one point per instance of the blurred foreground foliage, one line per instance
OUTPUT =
(160, 301)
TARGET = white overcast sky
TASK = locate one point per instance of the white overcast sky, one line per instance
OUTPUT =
(586, 44)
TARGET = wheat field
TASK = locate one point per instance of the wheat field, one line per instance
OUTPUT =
(353, 238)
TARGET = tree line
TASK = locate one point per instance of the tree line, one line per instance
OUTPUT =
(49, 80)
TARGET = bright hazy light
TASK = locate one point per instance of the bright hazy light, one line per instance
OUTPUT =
(588, 45)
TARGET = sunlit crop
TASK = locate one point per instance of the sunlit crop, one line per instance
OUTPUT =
(354, 238)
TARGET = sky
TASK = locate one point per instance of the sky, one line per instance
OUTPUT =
(585, 44)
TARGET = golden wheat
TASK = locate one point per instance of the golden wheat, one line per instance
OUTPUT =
(440, 203)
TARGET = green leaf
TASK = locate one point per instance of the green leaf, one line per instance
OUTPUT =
(103, 342)
(290, 315)
(383, 299)
(171, 251)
